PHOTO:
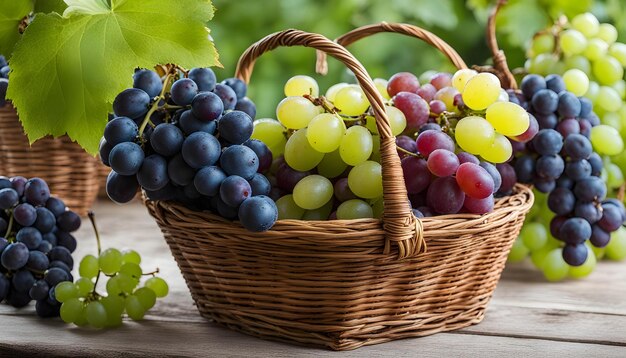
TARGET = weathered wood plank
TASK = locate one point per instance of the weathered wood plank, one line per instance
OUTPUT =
(192, 339)
(527, 316)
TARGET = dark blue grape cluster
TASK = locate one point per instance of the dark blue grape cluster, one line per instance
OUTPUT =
(4, 79)
(192, 145)
(560, 160)
(36, 244)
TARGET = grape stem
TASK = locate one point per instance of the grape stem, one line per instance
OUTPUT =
(409, 153)
(92, 218)
(10, 226)
(153, 273)
(155, 105)
(322, 101)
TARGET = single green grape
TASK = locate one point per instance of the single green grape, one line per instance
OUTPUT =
(481, 91)
(534, 236)
(474, 134)
(618, 51)
(615, 177)
(332, 165)
(446, 95)
(312, 192)
(460, 78)
(554, 267)
(576, 81)
(325, 132)
(508, 118)
(518, 251)
(270, 132)
(585, 269)
(96, 314)
(114, 305)
(288, 209)
(331, 92)
(84, 286)
(134, 308)
(88, 266)
(158, 285)
(71, 310)
(537, 257)
(572, 42)
(606, 140)
(381, 86)
(113, 286)
(301, 85)
(65, 290)
(131, 269)
(110, 261)
(607, 33)
(579, 62)
(608, 99)
(319, 214)
(354, 209)
(542, 43)
(378, 207)
(595, 49)
(351, 101)
(607, 70)
(365, 180)
(126, 282)
(299, 154)
(356, 145)
(587, 24)
(296, 112)
(616, 248)
(130, 256)
(397, 120)
(146, 297)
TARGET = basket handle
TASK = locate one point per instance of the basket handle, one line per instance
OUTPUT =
(404, 29)
(400, 225)
(500, 66)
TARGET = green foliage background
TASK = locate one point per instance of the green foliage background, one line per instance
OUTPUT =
(237, 24)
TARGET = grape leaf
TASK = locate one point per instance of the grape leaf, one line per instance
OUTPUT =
(520, 19)
(68, 70)
(13, 11)
(46, 6)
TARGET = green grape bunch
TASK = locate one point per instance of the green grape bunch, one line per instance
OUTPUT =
(83, 305)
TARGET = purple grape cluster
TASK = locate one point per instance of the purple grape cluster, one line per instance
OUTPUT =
(560, 161)
(36, 244)
(190, 144)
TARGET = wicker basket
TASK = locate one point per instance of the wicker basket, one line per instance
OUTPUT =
(343, 284)
(70, 172)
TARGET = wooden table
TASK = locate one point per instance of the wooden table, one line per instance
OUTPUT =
(527, 316)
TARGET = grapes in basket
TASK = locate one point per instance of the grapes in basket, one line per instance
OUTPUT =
(36, 244)
(583, 68)
(451, 131)
(185, 137)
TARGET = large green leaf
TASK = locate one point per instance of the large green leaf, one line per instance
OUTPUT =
(67, 70)
(11, 14)
(520, 19)
(47, 6)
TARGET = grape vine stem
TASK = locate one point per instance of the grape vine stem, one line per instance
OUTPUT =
(10, 226)
(155, 105)
(92, 218)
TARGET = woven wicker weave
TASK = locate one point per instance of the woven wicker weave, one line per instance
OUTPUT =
(70, 172)
(343, 284)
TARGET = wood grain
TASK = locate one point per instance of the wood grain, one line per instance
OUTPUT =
(527, 316)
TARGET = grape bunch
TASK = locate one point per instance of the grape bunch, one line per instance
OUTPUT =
(82, 305)
(327, 148)
(36, 244)
(561, 162)
(189, 142)
(4, 79)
